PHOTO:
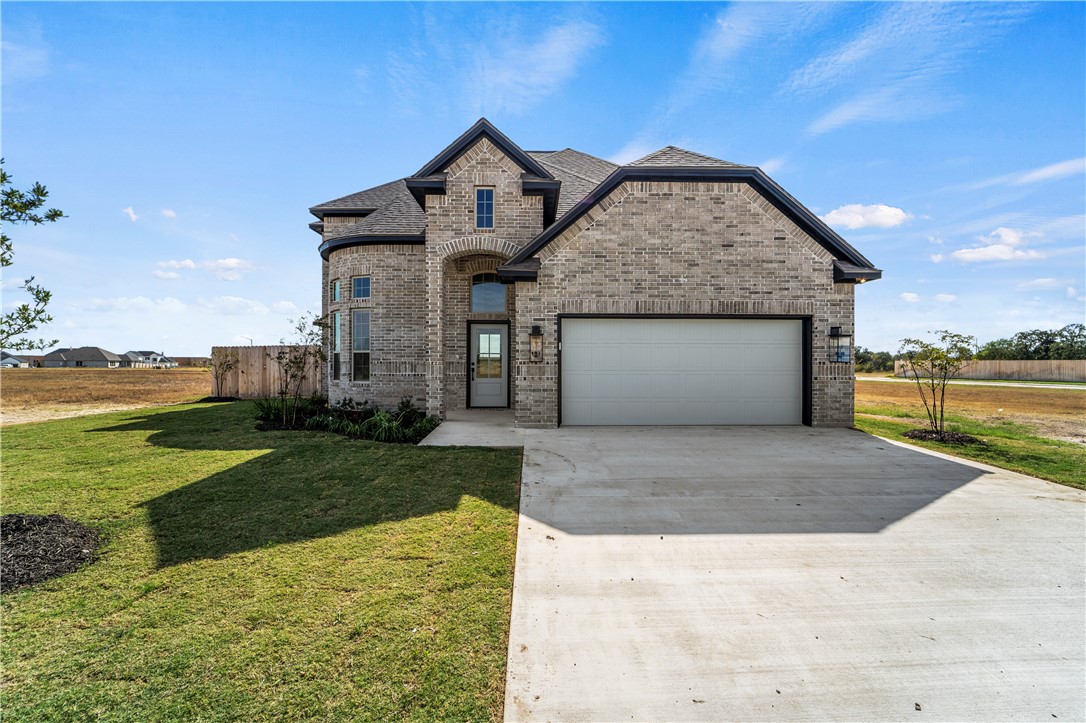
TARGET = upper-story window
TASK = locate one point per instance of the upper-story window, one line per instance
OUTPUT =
(484, 208)
(487, 293)
(333, 291)
(360, 287)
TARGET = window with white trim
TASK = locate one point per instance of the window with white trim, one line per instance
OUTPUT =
(360, 346)
(360, 287)
(333, 291)
(484, 208)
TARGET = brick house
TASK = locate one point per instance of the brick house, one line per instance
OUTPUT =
(677, 289)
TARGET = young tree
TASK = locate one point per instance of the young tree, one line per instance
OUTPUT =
(23, 207)
(932, 365)
(223, 361)
(297, 358)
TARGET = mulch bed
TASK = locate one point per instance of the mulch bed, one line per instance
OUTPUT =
(34, 548)
(927, 435)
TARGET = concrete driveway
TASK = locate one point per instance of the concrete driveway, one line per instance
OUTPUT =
(790, 573)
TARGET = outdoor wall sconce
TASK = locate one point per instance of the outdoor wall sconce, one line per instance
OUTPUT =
(535, 344)
(840, 345)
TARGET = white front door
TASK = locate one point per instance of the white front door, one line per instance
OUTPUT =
(488, 366)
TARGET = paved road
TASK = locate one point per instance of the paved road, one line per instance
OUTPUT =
(790, 573)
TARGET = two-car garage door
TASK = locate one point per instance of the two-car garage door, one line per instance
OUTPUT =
(682, 371)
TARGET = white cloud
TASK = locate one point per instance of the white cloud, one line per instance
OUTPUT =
(228, 269)
(910, 297)
(166, 274)
(1071, 292)
(184, 264)
(1041, 284)
(519, 74)
(631, 152)
(946, 298)
(1006, 247)
(773, 165)
(936, 240)
(118, 304)
(233, 306)
(169, 213)
(855, 215)
(937, 258)
(130, 213)
(284, 307)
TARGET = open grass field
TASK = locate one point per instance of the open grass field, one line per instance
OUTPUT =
(29, 395)
(259, 575)
(1039, 431)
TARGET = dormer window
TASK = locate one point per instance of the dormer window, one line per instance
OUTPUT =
(484, 208)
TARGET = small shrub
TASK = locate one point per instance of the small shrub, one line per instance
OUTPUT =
(406, 425)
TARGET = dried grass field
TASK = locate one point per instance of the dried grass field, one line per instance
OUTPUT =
(1049, 411)
(34, 395)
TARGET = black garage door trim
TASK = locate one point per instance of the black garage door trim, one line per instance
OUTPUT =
(805, 334)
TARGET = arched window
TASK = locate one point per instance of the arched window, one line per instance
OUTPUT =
(487, 293)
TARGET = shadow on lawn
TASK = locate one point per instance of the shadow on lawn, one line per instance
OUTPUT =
(305, 485)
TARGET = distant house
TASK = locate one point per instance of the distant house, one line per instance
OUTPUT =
(148, 359)
(84, 356)
(8, 361)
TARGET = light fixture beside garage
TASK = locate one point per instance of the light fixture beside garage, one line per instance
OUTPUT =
(535, 344)
(840, 345)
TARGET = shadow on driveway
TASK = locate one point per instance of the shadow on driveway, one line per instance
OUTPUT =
(730, 480)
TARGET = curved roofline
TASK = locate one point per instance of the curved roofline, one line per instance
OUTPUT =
(334, 244)
(858, 266)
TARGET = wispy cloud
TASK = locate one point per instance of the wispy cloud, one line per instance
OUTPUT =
(117, 304)
(937, 258)
(516, 75)
(505, 67)
(1041, 284)
(233, 306)
(169, 213)
(25, 55)
(855, 216)
(1003, 244)
(734, 31)
(772, 165)
(893, 68)
(168, 275)
(946, 298)
(910, 297)
(1052, 172)
(130, 213)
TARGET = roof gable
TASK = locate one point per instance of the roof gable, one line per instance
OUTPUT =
(849, 265)
(675, 156)
(482, 129)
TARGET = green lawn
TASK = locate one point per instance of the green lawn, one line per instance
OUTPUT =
(1007, 444)
(259, 575)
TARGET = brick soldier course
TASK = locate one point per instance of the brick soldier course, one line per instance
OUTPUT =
(673, 234)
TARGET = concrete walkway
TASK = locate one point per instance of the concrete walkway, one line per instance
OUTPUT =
(477, 428)
(789, 573)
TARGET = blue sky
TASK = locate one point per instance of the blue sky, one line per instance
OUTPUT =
(185, 142)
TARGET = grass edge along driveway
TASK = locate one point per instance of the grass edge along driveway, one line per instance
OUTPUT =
(260, 575)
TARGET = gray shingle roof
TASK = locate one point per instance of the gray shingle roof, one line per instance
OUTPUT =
(391, 211)
(83, 353)
(675, 156)
(578, 172)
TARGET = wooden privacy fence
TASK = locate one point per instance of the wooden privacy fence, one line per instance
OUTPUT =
(1057, 370)
(257, 375)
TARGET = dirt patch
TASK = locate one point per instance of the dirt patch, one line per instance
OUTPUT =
(35, 548)
(928, 435)
(1050, 412)
(37, 395)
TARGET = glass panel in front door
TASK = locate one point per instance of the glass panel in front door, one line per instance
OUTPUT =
(488, 358)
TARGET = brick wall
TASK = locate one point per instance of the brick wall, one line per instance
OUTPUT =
(398, 306)
(683, 248)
